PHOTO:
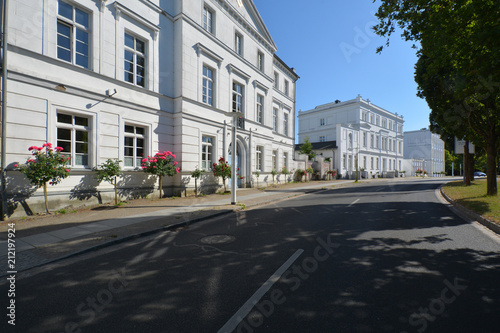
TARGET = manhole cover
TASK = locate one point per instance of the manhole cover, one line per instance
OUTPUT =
(217, 239)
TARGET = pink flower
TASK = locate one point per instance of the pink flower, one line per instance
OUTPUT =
(154, 166)
(49, 145)
(173, 156)
(15, 165)
(67, 170)
(144, 160)
(175, 163)
(31, 148)
(39, 148)
(177, 170)
(59, 149)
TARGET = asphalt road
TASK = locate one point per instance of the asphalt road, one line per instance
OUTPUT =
(382, 257)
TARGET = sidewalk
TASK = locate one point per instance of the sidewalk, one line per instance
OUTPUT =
(45, 239)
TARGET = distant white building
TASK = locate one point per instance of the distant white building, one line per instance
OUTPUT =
(358, 133)
(126, 79)
(426, 151)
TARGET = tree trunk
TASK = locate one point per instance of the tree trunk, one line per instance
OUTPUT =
(45, 196)
(471, 166)
(466, 164)
(491, 166)
(116, 193)
(161, 186)
(196, 187)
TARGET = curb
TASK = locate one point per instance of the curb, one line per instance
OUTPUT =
(470, 214)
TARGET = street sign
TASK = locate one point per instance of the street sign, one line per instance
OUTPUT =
(459, 147)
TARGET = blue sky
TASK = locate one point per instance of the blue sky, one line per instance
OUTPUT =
(332, 48)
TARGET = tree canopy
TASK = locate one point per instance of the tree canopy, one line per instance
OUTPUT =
(458, 71)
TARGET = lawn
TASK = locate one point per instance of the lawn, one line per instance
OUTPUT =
(474, 197)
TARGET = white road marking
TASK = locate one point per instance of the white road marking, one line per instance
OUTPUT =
(353, 203)
(235, 320)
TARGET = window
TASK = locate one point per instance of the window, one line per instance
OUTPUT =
(378, 120)
(260, 61)
(73, 30)
(371, 141)
(285, 123)
(207, 149)
(208, 20)
(134, 145)
(322, 138)
(258, 158)
(371, 118)
(276, 80)
(275, 160)
(364, 139)
(350, 141)
(238, 43)
(377, 142)
(344, 163)
(287, 88)
(208, 86)
(399, 147)
(275, 119)
(135, 60)
(364, 162)
(260, 109)
(378, 164)
(371, 163)
(237, 97)
(384, 123)
(322, 122)
(73, 137)
(285, 160)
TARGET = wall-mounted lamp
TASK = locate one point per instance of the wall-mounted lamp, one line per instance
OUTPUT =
(110, 92)
(61, 87)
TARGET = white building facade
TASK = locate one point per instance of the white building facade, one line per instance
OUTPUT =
(426, 150)
(365, 136)
(126, 79)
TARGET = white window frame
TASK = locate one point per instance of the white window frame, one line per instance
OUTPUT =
(260, 109)
(136, 160)
(210, 146)
(275, 160)
(259, 154)
(209, 19)
(322, 138)
(260, 61)
(74, 128)
(136, 55)
(285, 123)
(322, 122)
(208, 86)
(287, 88)
(238, 97)
(276, 80)
(238, 43)
(74, 27)
(275, 119)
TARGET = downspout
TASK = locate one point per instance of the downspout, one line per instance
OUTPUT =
(4, 107)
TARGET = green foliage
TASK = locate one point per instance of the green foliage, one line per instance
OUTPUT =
(108, 171)
(284, 171)
(306, 148)
(197, 173)
(458, 71)
(162, 164)
(46, 165)
(222, 169)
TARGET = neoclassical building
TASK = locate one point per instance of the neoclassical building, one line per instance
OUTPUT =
(355, 133)
(427, 148)
(125, 79)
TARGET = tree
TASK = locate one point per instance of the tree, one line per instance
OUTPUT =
(46, 165)
(109, 171)
(461, 38)
(196, 174)
(222, 169)
(307, 149)
(162, 164)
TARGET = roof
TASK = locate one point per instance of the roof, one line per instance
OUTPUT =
(320, 145)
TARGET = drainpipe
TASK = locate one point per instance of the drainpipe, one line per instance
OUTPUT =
(4, 107)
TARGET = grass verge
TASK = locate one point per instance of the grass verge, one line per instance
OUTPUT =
(474, 197)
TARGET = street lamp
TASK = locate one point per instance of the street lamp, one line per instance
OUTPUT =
(235, 116)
